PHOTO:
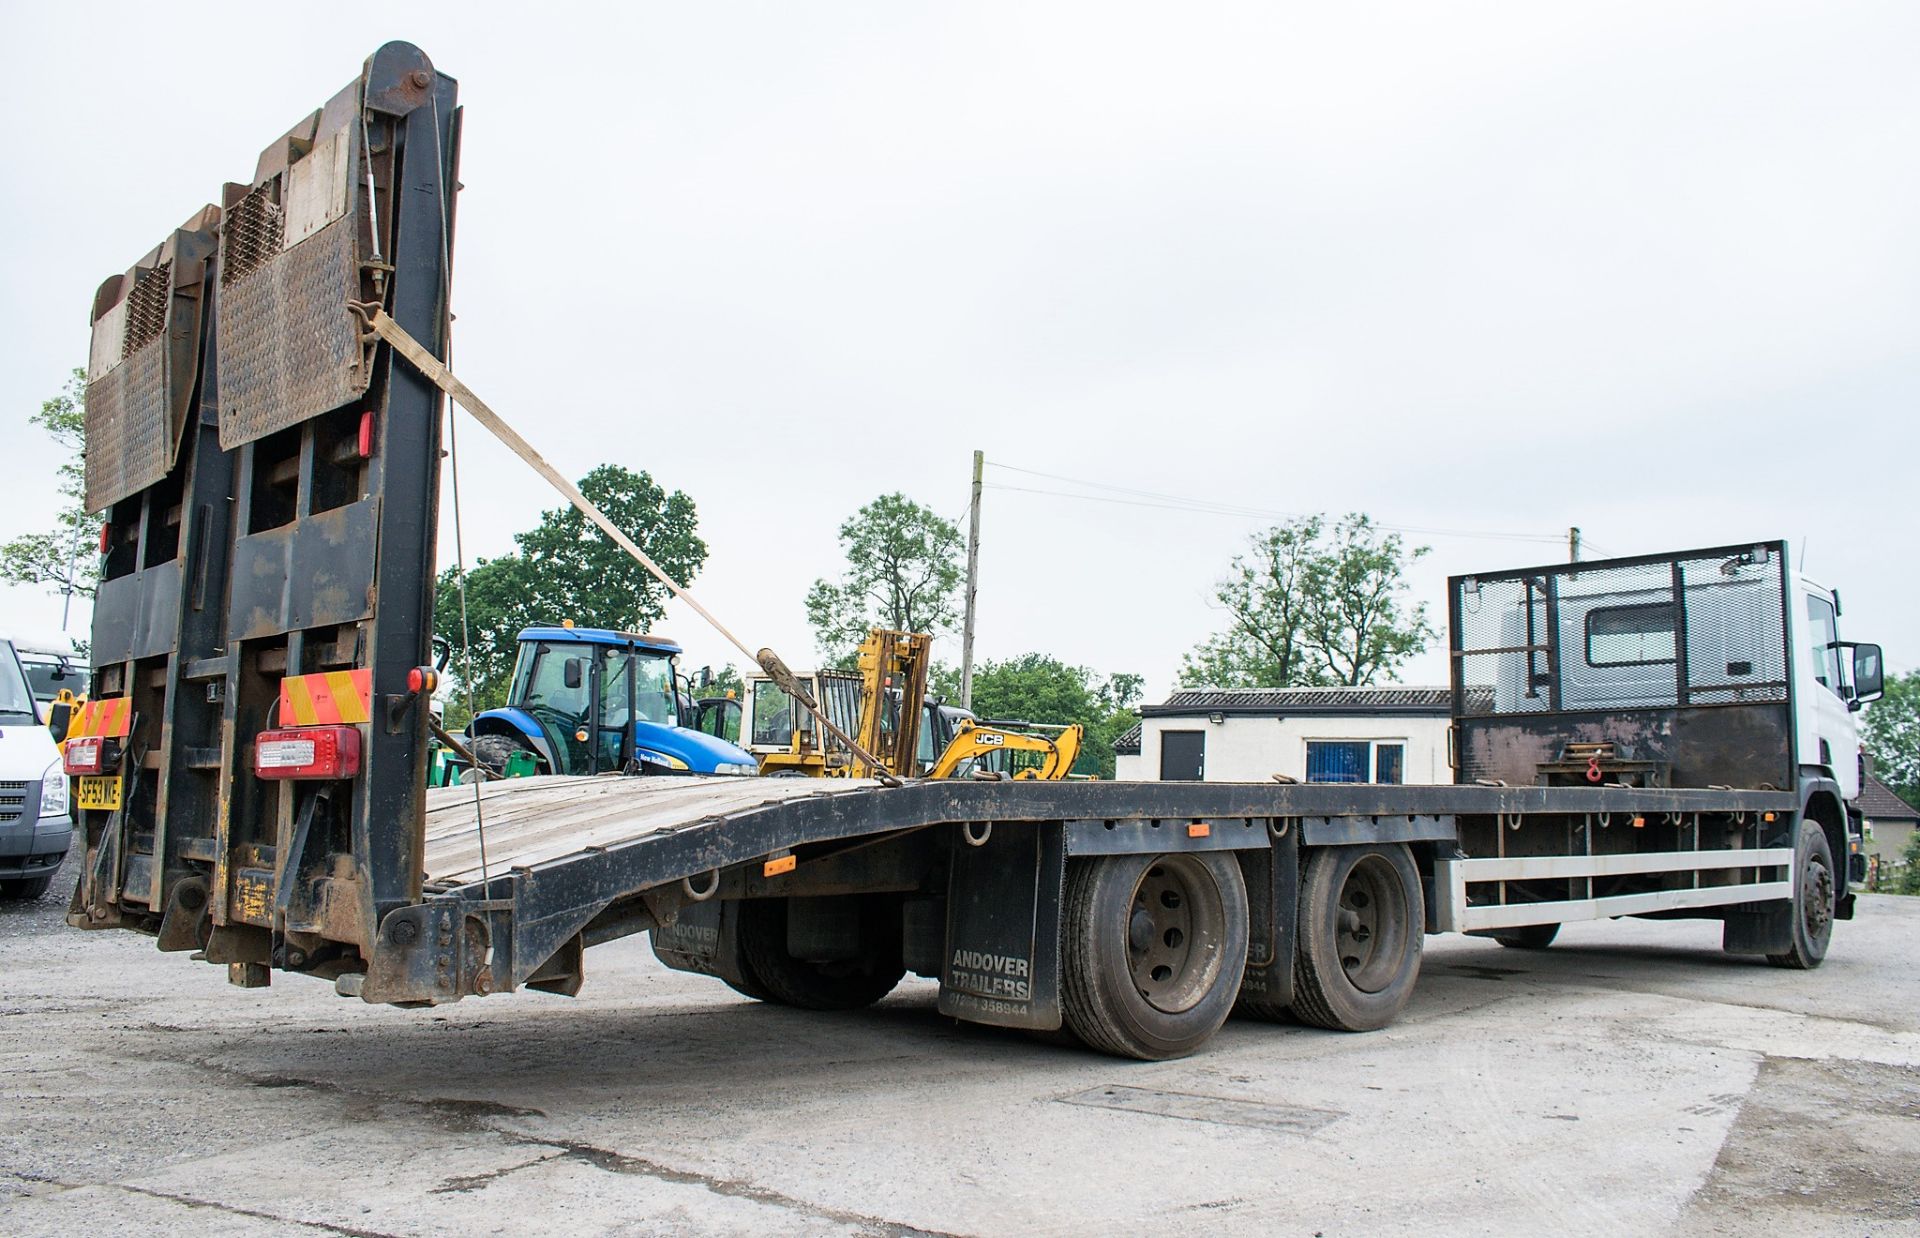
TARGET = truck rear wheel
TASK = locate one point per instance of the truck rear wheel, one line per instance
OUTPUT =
(1361, 922)
(1153, 947)
(771, 973)
(1813, 898)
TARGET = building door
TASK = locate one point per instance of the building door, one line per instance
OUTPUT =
(1183, 756)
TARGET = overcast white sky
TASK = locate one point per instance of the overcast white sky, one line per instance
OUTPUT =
(1649, 269)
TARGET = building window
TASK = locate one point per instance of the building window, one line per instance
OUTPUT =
(1356, 760)
(1183, 756)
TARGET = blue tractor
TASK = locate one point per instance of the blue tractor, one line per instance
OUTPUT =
(596, 701)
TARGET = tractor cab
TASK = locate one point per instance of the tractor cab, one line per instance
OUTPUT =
(597, 701)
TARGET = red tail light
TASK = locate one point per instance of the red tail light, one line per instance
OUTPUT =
(366, 435)
(307, 752)
(106, 537)
(89, 754)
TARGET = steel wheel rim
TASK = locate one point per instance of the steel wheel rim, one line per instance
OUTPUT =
(1368, 934)
(1816, 911)
(1174, 925)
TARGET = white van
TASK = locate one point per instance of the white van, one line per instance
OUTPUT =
(35, 828)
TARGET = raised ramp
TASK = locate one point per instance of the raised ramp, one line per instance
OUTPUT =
(530, 821)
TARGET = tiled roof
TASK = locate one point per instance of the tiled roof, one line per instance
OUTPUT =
(1876, 801)
(1396, 698)
(1128, 745)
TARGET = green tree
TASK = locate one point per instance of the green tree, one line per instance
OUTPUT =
(1910, 875)
(1891, 730)
(65, 554)
(501, 601)
(903, 572)
(1358, 624)
(1037, 687)
(567, 569)
(1312, 605)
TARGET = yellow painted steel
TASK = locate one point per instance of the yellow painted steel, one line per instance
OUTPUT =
(972, 740)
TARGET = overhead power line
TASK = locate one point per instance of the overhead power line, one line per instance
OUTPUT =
(1130, 497)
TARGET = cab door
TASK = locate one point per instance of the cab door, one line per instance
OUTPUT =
(1828, 734)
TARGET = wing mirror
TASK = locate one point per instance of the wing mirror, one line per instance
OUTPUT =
(1869, 675)
(570, 672)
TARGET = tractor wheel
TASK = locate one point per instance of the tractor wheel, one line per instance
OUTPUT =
(1813, 898)
(841, 984)
(1361, 922)
(493, 751)
(1152, 951)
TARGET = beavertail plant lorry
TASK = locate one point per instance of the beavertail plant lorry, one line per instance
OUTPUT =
(1667, 735)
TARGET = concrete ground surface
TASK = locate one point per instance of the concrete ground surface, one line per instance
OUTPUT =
(1632, 1080)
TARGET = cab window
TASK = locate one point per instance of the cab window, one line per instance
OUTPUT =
(16, 699)
(546, 682)
(1823, 634)
(773, 712)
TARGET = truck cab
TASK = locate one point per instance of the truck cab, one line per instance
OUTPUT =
(1839, 677)
(52, 664)
(596, 701)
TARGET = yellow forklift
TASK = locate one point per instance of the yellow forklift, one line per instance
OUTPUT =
(884, 704)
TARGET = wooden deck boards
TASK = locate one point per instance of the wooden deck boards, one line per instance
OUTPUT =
(533, 820)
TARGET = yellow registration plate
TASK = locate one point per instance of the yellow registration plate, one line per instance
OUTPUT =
(102, 794)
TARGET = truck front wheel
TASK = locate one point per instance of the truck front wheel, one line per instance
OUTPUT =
(1361, 922)
(1152, 950)
(1813, 899)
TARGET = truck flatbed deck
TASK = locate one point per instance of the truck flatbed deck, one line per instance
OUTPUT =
(536, 824)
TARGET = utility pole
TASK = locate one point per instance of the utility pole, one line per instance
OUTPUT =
(73, 555)
(973, 584)
(1573, 545)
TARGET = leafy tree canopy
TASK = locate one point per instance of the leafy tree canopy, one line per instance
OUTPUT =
(567, 569)
(1891, 730)
(1311, 605)
(903, 572)
(67, 551)
(1037, 687)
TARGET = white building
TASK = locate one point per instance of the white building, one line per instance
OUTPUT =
(1305, 734)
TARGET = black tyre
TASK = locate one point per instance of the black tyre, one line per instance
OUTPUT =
(1813, 900)
(1152, 951)
(26, 888)
(1527, 936)
(493, 751)
(748, 983)
(841, 984)
(1361, 924)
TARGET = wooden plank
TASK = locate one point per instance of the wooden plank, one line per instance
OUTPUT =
(549, 818)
